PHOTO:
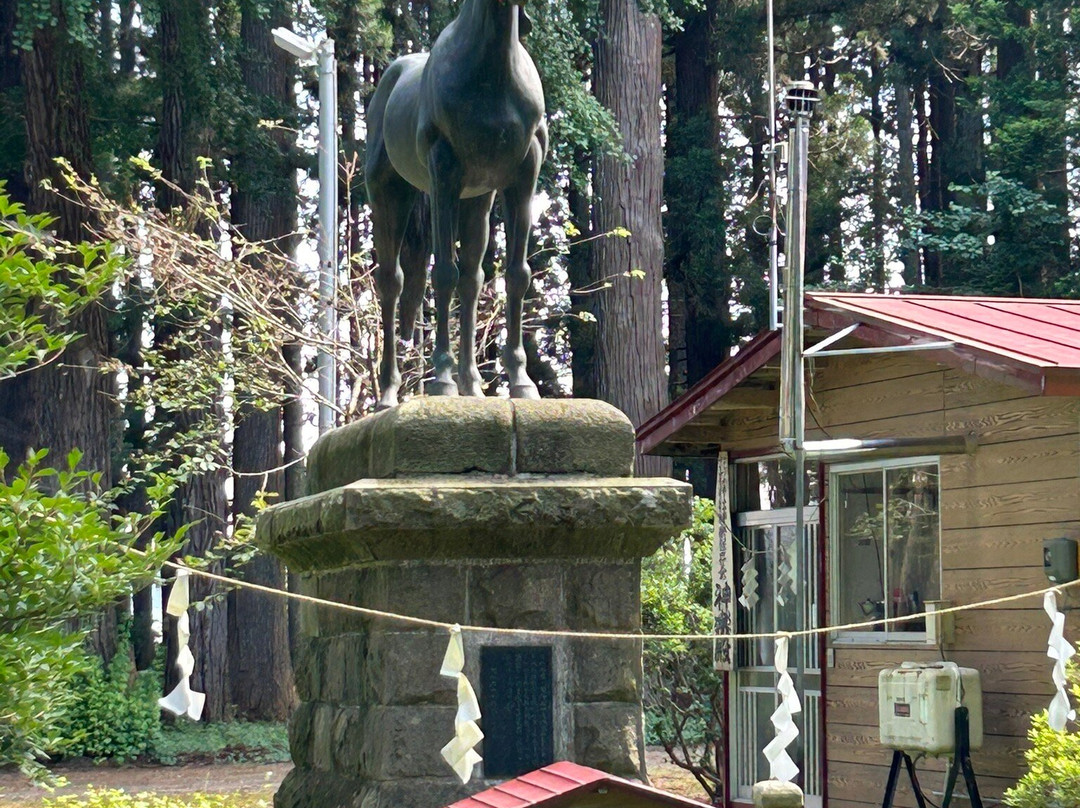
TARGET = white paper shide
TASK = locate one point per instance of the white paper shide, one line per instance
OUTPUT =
(1061, 651)
(182, 700)
(781, 766)
(459, 753)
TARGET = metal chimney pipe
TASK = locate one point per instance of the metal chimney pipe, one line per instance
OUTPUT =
(801, 99)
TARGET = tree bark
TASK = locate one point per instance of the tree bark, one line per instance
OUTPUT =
(68, 404)
(878, 200)
(931, 261)
(629, 365)
(582, 329)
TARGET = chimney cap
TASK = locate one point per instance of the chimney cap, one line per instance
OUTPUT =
(801, 97)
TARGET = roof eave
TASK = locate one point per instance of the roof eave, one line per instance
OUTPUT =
(714, 386)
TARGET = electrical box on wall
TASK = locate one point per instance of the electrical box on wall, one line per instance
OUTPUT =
(917, 705)
(1059, 560)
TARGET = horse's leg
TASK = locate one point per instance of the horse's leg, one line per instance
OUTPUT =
(391, 200)
(517, 204)
(473, 216)
(446, 180)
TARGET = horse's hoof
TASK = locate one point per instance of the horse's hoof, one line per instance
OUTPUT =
(527, 391)
(440, 388)
(387, 400)
(470, 384)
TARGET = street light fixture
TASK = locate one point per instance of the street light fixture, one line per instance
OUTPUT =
(323, 52)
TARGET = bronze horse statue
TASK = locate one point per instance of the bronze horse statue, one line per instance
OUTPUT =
(461, 123)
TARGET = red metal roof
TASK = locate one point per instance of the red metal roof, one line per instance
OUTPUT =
(556, 784)
(1032, 343)
(1043, 333)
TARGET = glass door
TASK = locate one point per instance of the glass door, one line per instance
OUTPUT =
(766, 577)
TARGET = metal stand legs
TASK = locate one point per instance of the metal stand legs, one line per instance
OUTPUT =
(961, 762)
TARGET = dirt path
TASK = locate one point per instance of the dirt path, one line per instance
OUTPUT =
(185, 779)
(232, 777)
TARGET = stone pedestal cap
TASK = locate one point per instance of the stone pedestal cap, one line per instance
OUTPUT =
(774, 794)
(460, 516)
(449, 435)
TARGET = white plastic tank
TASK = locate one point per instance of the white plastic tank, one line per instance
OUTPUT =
(917, 704)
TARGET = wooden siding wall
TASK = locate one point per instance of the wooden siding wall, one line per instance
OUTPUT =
(1020, 486)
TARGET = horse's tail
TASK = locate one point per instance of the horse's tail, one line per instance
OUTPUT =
(415, 256)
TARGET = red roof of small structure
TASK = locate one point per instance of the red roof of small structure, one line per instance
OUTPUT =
(557, 784)
(1032, 343)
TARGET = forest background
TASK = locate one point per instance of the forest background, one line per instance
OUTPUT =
(174, 136)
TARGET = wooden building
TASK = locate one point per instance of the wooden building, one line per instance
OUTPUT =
(568, 785)
(971, 458)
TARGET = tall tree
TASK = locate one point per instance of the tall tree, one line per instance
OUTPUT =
(199, 500)
(697, 270)
(264, 211)
(67, 404)
(629, 348)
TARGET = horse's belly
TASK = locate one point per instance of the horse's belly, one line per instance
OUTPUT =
(399, 127)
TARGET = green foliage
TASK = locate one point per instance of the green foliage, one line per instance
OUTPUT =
(115, 798)
(672, 602)
(1053, 776)
(683, 693)
(38, 294)
(577, 121)
(70, 16)
(114, 711)
(999, 244)
(234, 741)
(62, 557)
(64, 551)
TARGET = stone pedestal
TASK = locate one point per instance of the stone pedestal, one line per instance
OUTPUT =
(489, 512)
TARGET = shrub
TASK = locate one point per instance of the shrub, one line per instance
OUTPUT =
(683, 694)
(114, 713)
(63, 544)
(1053, 776)
(247, 741)
(62, 557)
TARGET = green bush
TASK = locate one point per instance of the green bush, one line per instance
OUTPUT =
(1053, 776)
(236, 741)
(683, 694)
(62, 558)
(114, 798)
(114, 713)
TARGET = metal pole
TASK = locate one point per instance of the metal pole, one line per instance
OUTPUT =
(774, 229)
(328, 234)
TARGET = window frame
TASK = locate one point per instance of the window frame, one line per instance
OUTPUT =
(876, 638)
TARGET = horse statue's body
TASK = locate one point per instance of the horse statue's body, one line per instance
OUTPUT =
(462, 123)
